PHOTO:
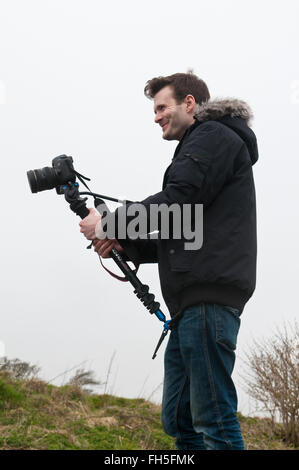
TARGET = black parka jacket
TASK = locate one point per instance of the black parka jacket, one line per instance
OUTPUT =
(212, 165)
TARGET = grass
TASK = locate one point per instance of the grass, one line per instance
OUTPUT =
(36, 415)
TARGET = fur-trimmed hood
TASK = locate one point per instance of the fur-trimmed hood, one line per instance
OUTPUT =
(234, 113)
(218, 108)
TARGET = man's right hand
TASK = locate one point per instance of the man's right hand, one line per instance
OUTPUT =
(103, 247)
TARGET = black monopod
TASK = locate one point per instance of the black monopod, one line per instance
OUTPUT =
(78, 205)
(62, 176)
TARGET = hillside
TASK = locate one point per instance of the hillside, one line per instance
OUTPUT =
(36, 415)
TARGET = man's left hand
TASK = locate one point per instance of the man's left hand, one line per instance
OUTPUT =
(88, 224)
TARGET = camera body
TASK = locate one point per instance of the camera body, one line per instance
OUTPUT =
(61, 173)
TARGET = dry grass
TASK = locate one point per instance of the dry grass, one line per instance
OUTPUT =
(36, 415)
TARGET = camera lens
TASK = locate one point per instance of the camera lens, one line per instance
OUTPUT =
(42, 179)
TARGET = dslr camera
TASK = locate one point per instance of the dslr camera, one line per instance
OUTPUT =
(61, 173)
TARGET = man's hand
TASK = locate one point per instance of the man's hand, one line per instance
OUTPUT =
(103, 247)
(89, 223)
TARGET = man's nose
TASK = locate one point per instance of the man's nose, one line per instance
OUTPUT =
(158, 117)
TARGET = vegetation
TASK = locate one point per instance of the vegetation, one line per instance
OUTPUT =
(273, 380)
(37, 415)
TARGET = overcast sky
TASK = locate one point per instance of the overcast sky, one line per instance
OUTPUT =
(72, 74)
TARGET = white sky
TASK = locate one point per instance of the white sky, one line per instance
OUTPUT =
(72, 74)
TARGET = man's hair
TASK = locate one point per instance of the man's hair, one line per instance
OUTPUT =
(183, 84)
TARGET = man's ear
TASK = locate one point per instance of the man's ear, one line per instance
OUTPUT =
(190, 103)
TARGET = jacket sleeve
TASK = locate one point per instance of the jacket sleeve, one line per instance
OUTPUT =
(140, 251)
(198, 173)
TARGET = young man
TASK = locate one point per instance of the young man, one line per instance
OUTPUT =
(209, 286)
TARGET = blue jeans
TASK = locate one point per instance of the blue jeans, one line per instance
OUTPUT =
(199, 402)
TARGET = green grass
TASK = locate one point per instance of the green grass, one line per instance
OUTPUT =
(9, 395)
(34, 415)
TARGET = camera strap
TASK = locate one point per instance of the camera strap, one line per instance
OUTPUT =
(120, 278)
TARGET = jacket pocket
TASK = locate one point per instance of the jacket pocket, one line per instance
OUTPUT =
(227, 326)
(180, 260)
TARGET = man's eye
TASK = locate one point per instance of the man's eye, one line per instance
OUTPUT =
(160, 108)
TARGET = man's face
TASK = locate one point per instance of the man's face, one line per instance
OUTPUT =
(172, 117)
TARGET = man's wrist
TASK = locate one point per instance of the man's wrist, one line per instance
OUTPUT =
(99, 233)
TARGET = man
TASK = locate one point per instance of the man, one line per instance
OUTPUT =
(212, 165)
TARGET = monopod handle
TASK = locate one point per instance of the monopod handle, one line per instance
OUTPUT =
(84, 212)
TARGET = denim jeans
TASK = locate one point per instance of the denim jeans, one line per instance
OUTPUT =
(199, 402)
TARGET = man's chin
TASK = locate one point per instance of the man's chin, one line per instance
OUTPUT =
(166, 136)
